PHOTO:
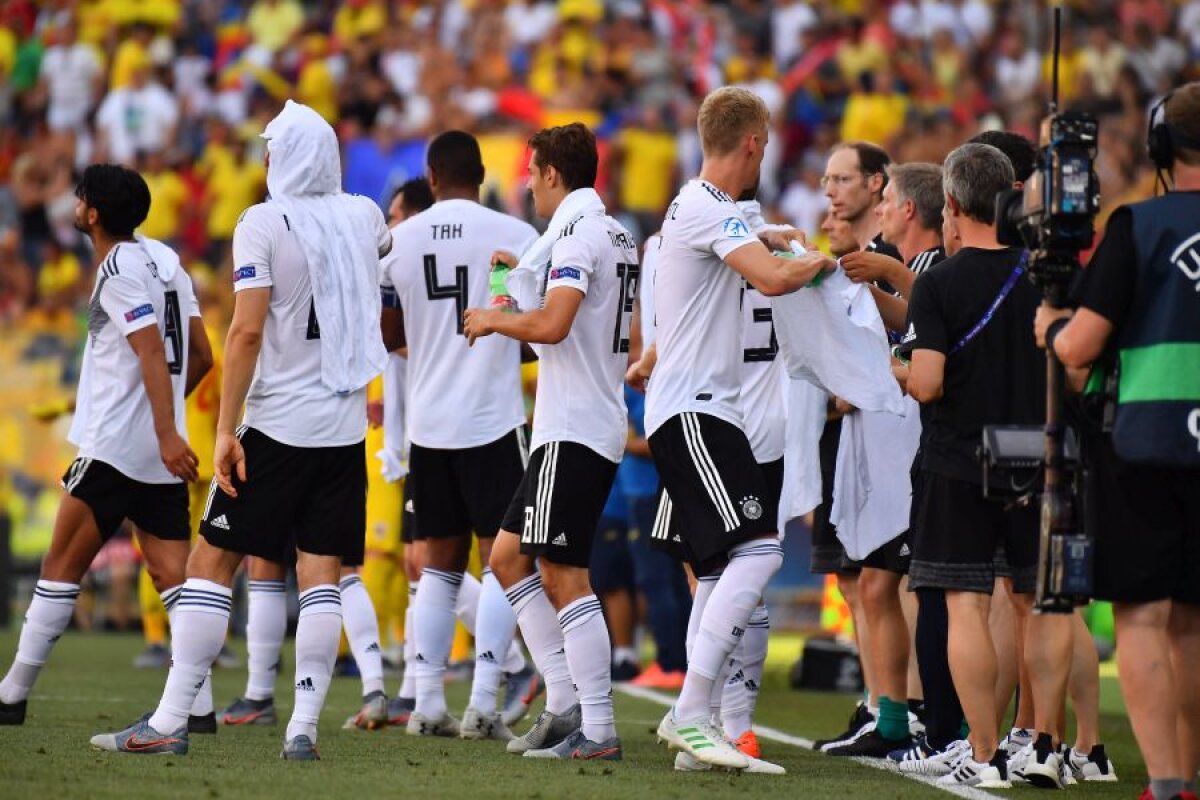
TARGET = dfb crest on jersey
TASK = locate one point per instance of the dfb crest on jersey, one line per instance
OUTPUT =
(735, 228)
(751, 508)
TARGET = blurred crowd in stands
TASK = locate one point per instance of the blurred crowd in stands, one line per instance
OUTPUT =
(182, 88)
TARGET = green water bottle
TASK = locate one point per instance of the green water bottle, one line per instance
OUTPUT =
(498, 287)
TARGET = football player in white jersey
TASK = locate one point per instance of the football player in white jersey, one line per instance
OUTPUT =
(693, 411)
(466, 425)
(146, 350)
(581, 280)
(301, 349)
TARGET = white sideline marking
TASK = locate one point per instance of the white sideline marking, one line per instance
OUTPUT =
(774, 735)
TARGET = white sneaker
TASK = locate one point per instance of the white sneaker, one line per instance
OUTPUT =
(917, 762)
(700, 739)
(969, 772)
(858, 734)
(421, 725)
(1091, 767)
(1044, 770)
(1016, 741)
(685, 762)
(478, 725)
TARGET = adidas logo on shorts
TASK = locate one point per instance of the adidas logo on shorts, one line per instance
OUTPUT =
(220, 522)
(905, 551)
(306, 685)
(560, 540)
(373, 647)
(486, 656)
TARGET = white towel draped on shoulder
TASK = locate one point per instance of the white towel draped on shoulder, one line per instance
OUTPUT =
(340, 243)
(527, 281)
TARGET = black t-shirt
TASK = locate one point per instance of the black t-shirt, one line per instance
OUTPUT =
(999, 377)
(878, 245)
(1107, 285)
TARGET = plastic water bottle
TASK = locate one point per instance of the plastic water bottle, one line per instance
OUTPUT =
(498, 288)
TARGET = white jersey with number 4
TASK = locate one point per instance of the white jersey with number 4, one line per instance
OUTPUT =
(697, 309)
(580, 395)
(288, 401)
(458, 396)
(114, 422)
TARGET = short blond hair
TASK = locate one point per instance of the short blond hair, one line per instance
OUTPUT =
(726, 116)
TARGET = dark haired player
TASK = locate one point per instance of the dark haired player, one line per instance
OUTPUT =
(577, 318)
(466, 424)
(146, 350)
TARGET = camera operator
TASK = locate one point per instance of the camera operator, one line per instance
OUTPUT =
(974, 366)
(1139, 312)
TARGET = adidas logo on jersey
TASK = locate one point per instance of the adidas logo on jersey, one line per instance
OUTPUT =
(560, 540)
(306, 685)
(905, 550)
(220, 522)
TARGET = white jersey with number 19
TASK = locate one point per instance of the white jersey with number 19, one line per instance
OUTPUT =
(113, 420)
(579, 394)
(458, 396)
(697, 309)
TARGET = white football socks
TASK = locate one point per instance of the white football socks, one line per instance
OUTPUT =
(726, 615)
(589, 656)
(408, 684)
(740, 694)
(317, 634)
(494, 628)
(266, 626)
(544, 638)
(466, 607)
(704, 590)
(198, 626)
(203, 705)
(362, 631)
(48, 616)
(433, 624)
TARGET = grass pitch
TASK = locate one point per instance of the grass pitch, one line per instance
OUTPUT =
(89, 686)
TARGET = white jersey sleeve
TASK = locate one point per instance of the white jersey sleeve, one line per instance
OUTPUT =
(126, 300)
(573, 264)
(719, 228)
(254, 241)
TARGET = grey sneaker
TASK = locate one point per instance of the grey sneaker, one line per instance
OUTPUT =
(300, 749)
(372, 716)
(421, 725)
(579, 747)
(478, 725)
(521, 689)
(548, 730)
(141, 739)
(155, 656)
(250, 712)
(400, 709)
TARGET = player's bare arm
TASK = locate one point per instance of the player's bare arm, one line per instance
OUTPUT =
(391, 326)
(177, 457)
(549, 324)
(200, 357)
(774, 275)
(639, 371)
(242, 345)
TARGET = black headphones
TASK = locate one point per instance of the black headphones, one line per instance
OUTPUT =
(1162, 140)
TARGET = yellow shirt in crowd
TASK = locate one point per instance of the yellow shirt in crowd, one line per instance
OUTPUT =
(647, 170)
(168, 194)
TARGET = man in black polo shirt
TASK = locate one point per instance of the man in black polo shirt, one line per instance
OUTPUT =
(975, 363)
